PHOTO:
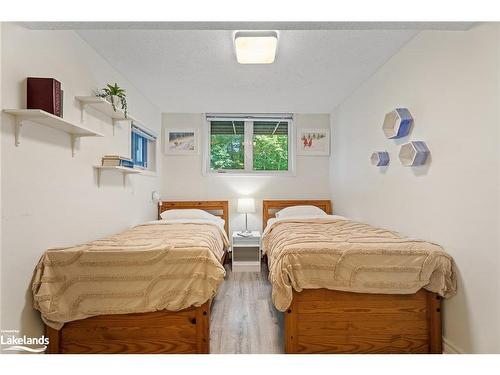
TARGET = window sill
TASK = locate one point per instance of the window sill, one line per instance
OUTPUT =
(252, 174)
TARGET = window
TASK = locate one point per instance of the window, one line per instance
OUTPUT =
(270, 146)
(139, 150)
(227, 148)
(249, 144)
(143, 148)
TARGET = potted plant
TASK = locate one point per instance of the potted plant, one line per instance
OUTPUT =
(114, 94)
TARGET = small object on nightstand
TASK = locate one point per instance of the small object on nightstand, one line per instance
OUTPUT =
(246, 254)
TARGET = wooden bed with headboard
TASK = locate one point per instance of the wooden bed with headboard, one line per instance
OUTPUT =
(160, 332)
(331, 321)
(217, 208)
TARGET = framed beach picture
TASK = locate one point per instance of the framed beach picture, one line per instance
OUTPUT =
(181, 142)
(313, 142)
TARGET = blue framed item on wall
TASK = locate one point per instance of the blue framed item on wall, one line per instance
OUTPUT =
(380, 158)
(397, 123)
(413, 154)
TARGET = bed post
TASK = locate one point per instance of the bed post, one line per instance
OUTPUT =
(53, 336)
(435, 327)
(203, 328)
(291, 326)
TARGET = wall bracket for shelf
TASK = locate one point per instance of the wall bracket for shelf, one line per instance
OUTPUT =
(75, 144)
(98, 178)
(115, 121)
(17, 130)
(83, 108)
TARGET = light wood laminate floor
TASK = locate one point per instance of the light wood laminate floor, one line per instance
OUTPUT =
(243, 317)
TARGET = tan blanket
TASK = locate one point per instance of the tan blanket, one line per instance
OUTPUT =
(349, 256)
(150, 267)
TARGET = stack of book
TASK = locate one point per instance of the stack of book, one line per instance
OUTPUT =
(117, 161)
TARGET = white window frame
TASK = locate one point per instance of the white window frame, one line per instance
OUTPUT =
(248, 143)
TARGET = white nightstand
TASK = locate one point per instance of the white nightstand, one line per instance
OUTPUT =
(246, 252)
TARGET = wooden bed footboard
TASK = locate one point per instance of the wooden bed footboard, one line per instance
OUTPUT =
(329, 321)
(174, 332)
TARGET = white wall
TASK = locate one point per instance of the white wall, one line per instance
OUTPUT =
(50, 198)
(1, 299)
(450, 83)
(182, 176)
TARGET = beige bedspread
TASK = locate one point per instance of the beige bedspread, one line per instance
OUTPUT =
(150, 267)
(349, 256)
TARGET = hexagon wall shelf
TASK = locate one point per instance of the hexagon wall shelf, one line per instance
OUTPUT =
(413, 154)
(397, 123)
(380, 158)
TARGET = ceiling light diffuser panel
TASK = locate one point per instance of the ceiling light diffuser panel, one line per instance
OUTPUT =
(254, 47)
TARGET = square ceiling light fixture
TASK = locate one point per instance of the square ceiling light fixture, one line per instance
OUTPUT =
(255, 47)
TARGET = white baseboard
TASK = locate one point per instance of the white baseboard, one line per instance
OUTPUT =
(449, 348)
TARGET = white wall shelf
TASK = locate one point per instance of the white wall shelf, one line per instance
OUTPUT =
(124, 170)
(47, 119)
(380, 158)
(103, 106)
(397, 123)
(413, 154)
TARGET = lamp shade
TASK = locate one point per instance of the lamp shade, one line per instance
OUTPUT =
(246, 205)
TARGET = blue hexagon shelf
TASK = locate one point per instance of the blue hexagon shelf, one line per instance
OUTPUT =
(397, 123)
(380, 158)
(413, 154)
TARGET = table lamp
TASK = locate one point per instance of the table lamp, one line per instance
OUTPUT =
(246, 206)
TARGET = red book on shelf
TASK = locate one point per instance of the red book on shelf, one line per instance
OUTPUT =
(45, 94)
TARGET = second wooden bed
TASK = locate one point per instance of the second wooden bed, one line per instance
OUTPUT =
(330, 321)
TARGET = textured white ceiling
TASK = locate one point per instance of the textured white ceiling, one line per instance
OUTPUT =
(281, 25)
(191, 66)
(196, 70)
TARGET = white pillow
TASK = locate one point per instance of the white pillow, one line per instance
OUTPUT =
(217, 220)
(296, 211)
(186, 214)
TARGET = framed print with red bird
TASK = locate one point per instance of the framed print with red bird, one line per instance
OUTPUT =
(314, 142)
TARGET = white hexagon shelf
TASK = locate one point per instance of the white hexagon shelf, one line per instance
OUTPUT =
(380, 158)
(413, 154)
(397, 123)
